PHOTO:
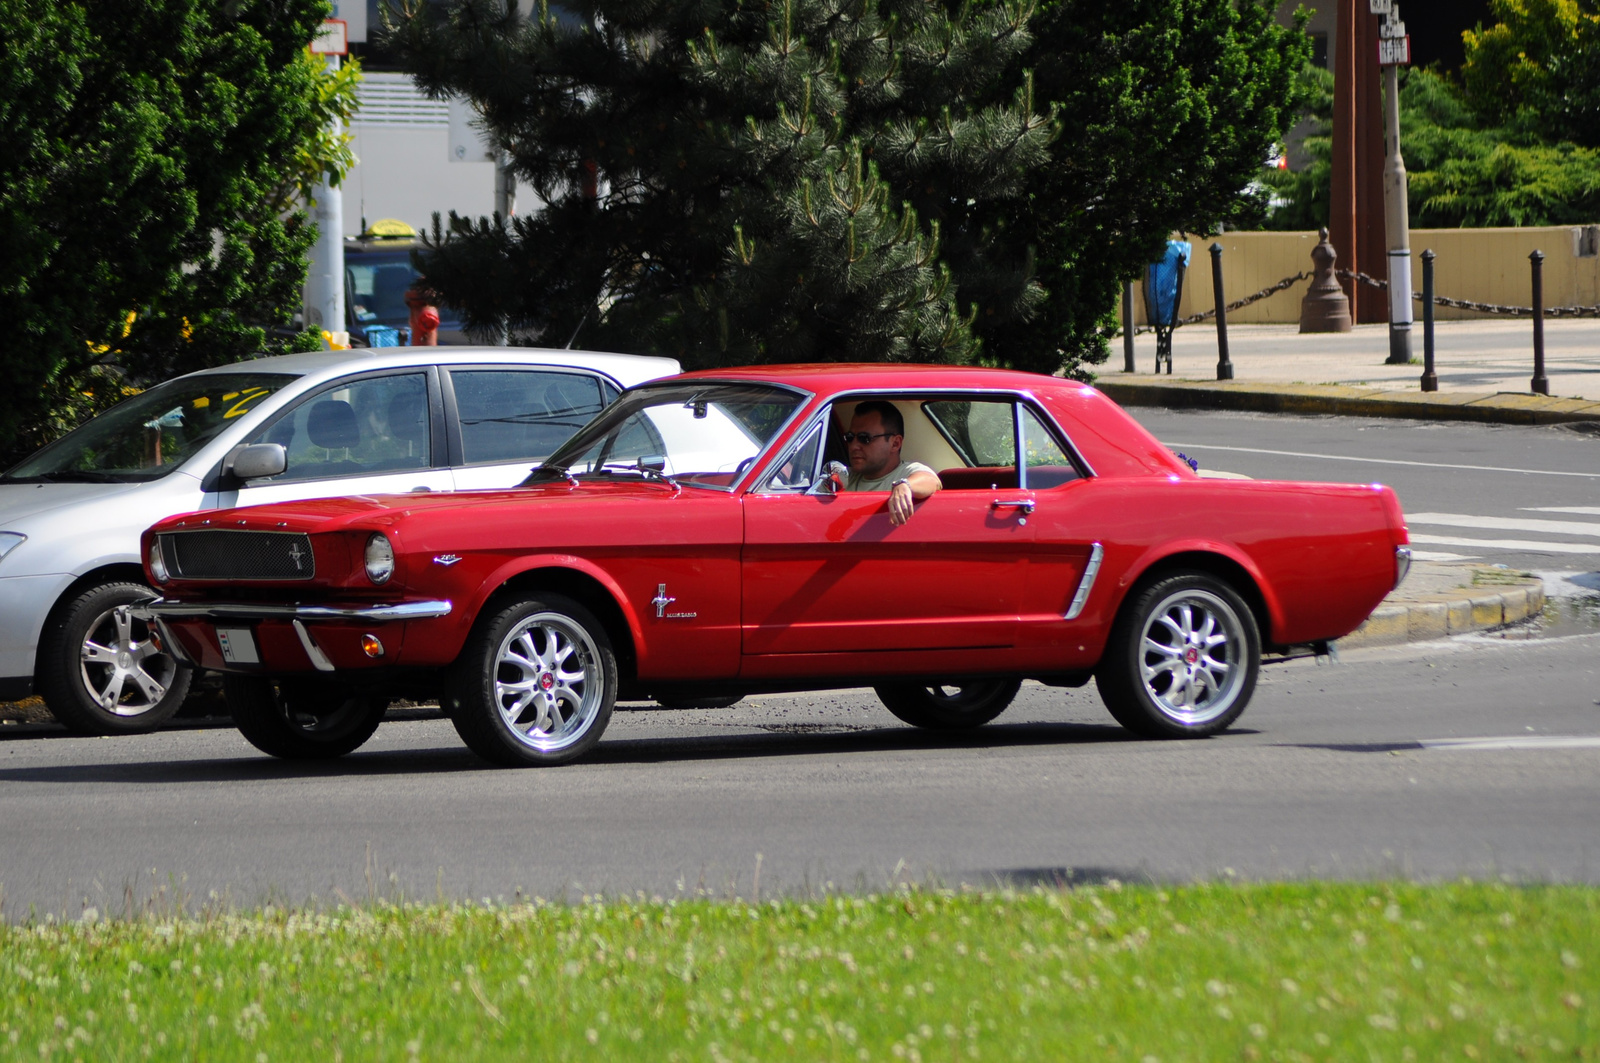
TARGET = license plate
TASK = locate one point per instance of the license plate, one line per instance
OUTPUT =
(238, 645)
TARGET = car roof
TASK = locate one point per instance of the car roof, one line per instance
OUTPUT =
(626, 369)
(831, 377)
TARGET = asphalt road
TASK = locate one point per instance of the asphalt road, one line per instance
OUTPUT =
(1520, 496)
(1343, 771)
(1476, 756)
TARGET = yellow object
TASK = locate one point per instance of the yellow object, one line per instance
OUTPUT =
(331, 342)
(390, 229)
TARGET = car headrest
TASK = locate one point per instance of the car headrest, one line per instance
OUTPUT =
(332, 425)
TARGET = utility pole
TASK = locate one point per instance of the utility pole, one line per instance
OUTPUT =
(325, 279)
(1394, 51)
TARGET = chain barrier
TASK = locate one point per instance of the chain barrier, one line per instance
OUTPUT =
(1373, 282)
(1482, 308)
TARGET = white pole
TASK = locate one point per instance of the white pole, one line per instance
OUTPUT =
(325, 281)
(1397, 223)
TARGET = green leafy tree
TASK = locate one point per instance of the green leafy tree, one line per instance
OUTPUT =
(147, 193)
(736, 181)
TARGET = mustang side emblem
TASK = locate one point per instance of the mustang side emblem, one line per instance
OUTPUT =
(662, 600)
(295, 554)
(447, 559)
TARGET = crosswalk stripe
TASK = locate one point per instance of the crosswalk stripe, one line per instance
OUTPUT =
(1529, 524)
(1377, 461)
(1584, 511)
(1514, 742)
(1521, 545)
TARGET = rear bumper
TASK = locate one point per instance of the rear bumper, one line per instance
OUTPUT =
(287, 639)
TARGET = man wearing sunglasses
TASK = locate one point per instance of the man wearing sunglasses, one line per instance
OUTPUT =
(873, 444)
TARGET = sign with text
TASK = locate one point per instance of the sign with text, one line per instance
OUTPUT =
(332, 38)
(1380, 7)
(1394, 51)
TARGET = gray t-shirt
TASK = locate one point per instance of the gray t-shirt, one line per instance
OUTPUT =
(854, 481)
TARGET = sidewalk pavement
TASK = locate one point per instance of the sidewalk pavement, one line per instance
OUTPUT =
(1441, 598)
(1485, 370)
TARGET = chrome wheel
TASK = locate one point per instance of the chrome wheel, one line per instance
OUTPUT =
(545, 683)
(1191, 655)
(123, 667)
(1182, 658)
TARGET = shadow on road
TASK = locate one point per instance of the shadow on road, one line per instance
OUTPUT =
(625, 751)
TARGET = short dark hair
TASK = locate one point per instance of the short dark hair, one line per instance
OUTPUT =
(888, 414)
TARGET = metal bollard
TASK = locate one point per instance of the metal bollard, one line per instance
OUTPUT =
(1430, 379)
(1224, 365)
(1128, 365)
(1541, 383)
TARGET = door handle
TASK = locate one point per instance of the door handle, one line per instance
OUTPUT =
(1024, 504)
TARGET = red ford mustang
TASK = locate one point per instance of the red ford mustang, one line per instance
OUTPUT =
(695, 541)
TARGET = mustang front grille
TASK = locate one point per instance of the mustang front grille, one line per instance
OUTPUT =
(243, 555)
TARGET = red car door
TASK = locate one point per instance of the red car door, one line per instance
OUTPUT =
(830, 574)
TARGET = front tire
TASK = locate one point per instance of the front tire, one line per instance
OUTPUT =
(949, 706)
(102, 672)
(301, 719)
(1182, 659)
(535, 683)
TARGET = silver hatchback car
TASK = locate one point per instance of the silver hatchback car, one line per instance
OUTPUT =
(357, 422)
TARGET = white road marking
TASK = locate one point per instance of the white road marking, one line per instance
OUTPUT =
(1522, 545)
(1583, 511)
(1439, 555)
(1379, 461)
(1513, 742)
(1527, 524)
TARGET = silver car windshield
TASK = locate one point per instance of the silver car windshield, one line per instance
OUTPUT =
(697, 434)
(152, 433)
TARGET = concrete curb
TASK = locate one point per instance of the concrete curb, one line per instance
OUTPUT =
(1442, 615)
(1502, 407)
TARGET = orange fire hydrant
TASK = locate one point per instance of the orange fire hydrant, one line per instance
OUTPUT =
(424, 317)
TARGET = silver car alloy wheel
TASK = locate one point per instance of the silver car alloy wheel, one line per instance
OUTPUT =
(123, 667)
(1191, 656)
(547, 681)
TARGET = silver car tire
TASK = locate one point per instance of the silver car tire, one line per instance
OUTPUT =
(101, 671)
(1183, 658)
(535, 683)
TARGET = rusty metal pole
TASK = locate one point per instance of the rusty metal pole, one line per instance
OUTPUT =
(1541, 383)
(1430, 379)
(1224, 365)
(1128, 365)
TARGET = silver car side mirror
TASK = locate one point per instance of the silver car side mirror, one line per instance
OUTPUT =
(256, 460)
(831, 482)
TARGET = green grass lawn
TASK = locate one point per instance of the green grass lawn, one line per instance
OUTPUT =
(1385, 971)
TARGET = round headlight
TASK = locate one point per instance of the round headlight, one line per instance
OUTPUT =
(158, 564)
(380, 559)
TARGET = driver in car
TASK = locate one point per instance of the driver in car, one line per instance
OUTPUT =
(873, 444)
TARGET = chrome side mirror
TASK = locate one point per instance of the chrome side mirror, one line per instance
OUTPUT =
(831, 482)
(256, 460)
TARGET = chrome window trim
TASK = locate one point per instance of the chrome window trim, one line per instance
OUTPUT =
(801, 439)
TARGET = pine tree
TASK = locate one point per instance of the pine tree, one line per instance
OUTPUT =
(733, 181)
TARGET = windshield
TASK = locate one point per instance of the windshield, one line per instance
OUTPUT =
(152, 433)
(375, 289)
(703, 434)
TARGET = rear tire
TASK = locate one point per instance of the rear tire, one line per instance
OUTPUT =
(949, 706)
(102, 672)
(1182, 659)
(301, 719)
(535, 683)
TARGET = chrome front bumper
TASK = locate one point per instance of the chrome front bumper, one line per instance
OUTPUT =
(161, 609)
(158, 610)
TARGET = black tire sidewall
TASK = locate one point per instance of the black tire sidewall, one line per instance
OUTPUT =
(257, 707)
(911, 703)
(470, 695)
(60, 680)
(1118, 677)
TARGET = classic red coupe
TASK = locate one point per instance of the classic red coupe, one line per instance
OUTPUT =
(702, 538)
